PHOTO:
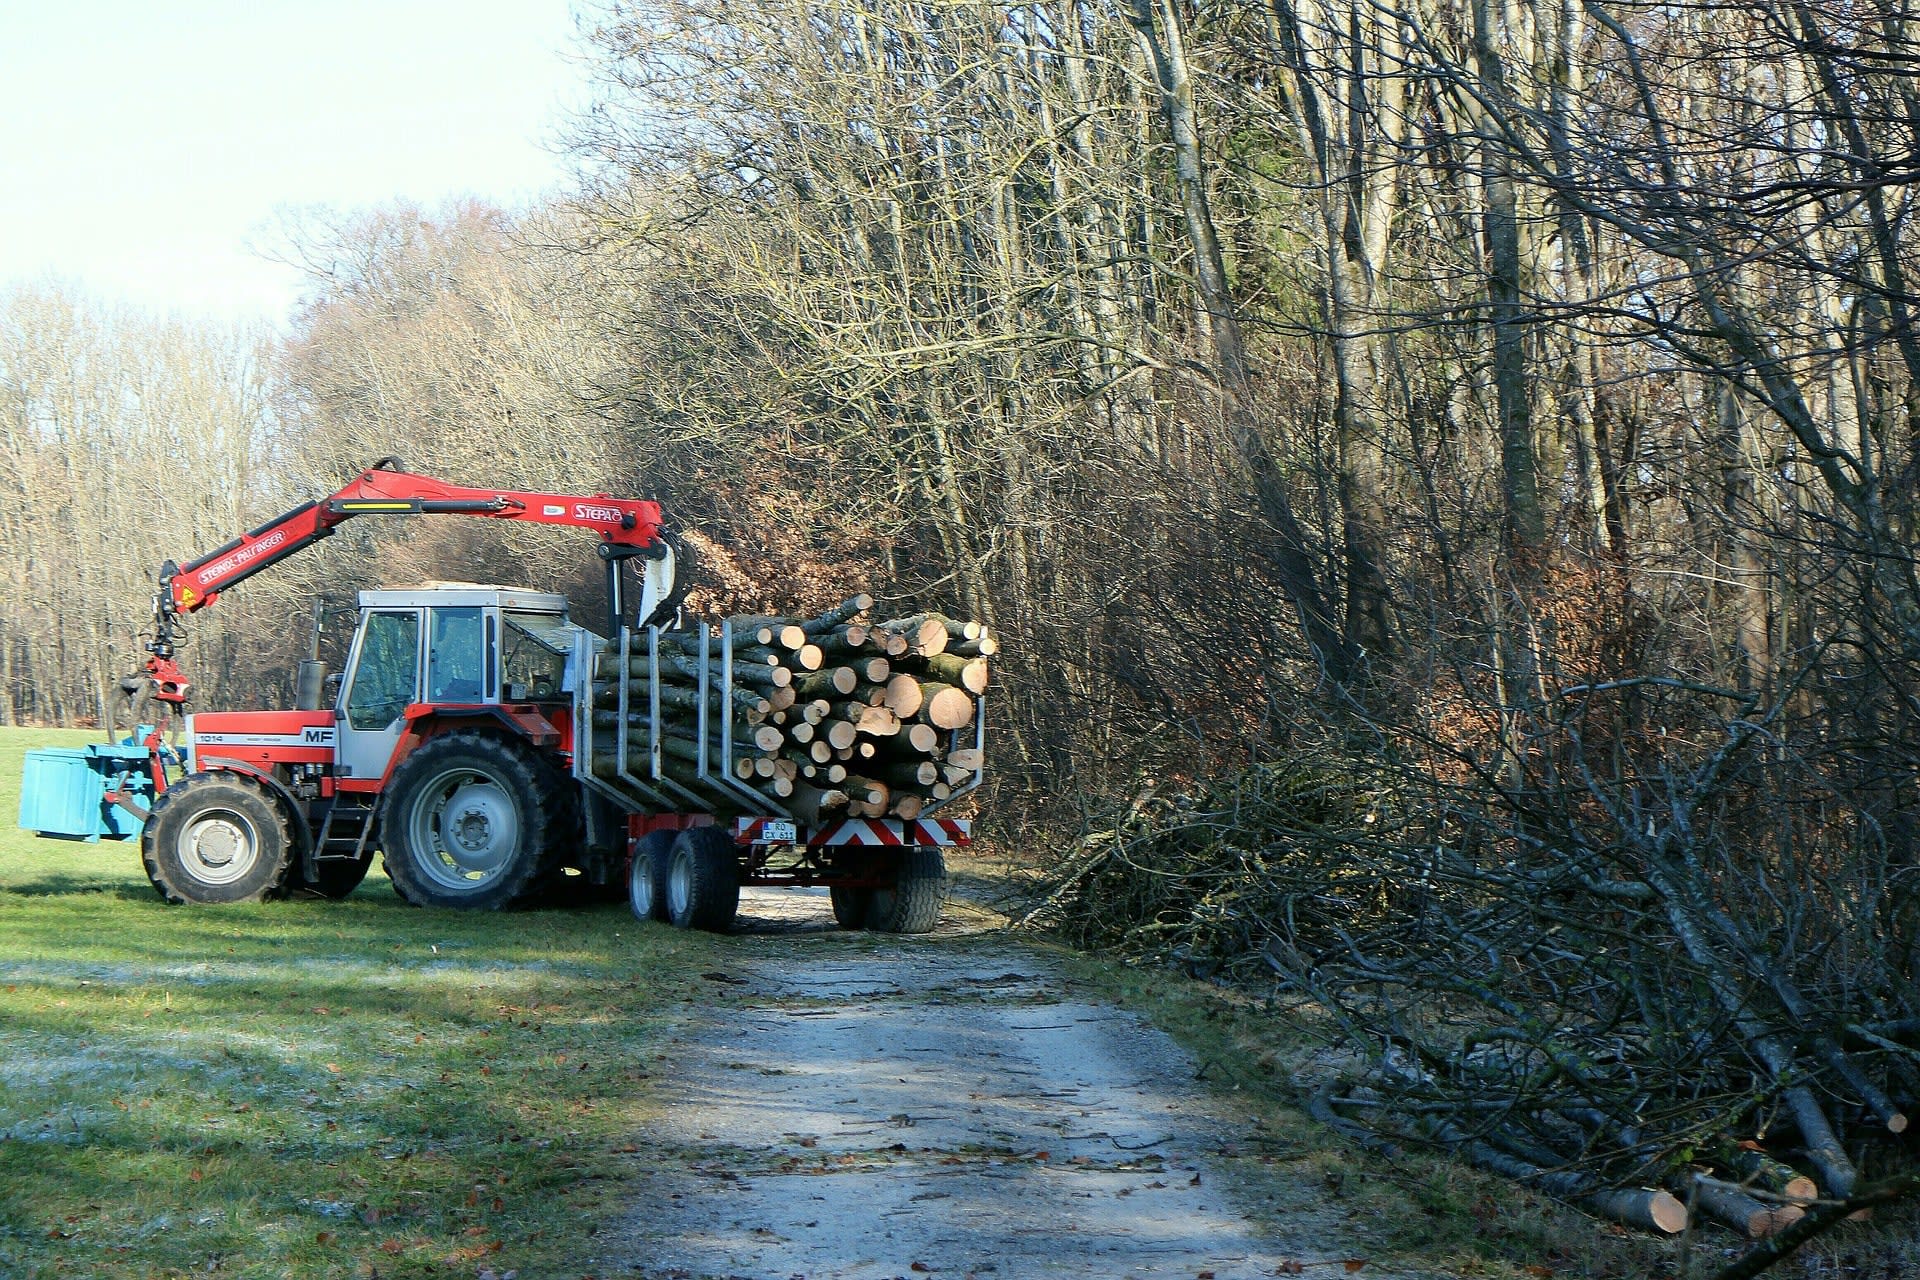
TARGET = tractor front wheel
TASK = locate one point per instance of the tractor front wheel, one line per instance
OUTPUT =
(467, 823)
(216, 837)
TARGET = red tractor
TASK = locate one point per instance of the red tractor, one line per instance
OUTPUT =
(461, 746)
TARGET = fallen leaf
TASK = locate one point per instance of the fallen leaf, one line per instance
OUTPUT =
(391, 1246)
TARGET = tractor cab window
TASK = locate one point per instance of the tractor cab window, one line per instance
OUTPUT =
(388, 673)
(534, 665)
(455, 658)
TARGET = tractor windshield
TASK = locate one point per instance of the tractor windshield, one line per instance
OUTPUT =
(534, 665)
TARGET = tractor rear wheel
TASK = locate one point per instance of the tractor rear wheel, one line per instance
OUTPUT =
(703, 886)
(647, 877)
(468, 821)
(913, 904)
(216, 837)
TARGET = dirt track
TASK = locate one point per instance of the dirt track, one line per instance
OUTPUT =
(856, 1106)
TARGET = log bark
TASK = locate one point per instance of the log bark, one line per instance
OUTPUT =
(814, 804)
(1643, 1207)
(1737, 1209)
(867, 798)
(852, 607)
(1830, 1159)
(843, 641)
(924, 774)
(834, 682)
(965, 673)
(678, 666)
(1762, 1170)
(925, 633)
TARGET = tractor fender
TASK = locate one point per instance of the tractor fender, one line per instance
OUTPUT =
(426, 721)
(296, 811)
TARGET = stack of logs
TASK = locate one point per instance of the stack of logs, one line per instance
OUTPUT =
(836, 716)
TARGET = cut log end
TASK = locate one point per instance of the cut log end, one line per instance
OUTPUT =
(947, 707)
(1644, 1208)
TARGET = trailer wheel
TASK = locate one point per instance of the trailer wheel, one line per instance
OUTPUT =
(850, 906)
(703, 886)
(216, 837)
(913, 904)
(467, 822)
(647, 877)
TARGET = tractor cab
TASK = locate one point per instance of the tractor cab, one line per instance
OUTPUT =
(445, 646)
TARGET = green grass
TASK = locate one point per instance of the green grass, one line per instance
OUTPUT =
(309, 1088)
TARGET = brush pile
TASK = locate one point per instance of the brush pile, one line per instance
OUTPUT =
(834, 716)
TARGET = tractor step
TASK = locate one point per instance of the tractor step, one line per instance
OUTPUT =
(345, 831)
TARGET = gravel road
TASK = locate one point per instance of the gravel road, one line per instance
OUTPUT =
(855, 1106)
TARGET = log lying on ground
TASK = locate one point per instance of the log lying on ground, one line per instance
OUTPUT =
(1643, 1207)
(1763, 1171)
(1726, 1203)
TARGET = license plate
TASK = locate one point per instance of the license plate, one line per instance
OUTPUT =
(779, 830)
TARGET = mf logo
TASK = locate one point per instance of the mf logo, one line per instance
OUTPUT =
(317, 736)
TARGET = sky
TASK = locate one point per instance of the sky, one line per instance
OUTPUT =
(149, 148)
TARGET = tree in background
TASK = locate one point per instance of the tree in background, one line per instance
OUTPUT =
(127, 441)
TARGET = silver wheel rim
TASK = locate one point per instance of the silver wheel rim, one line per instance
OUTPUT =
(219, 847)
(680, 887)
(466, 829)
(640, 886)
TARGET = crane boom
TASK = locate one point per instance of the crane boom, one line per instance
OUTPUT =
(627, 527)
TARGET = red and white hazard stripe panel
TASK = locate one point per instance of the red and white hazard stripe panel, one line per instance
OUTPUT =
(891, 832)
(871, 832)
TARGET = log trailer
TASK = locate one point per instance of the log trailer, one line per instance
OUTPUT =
(462, 747)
